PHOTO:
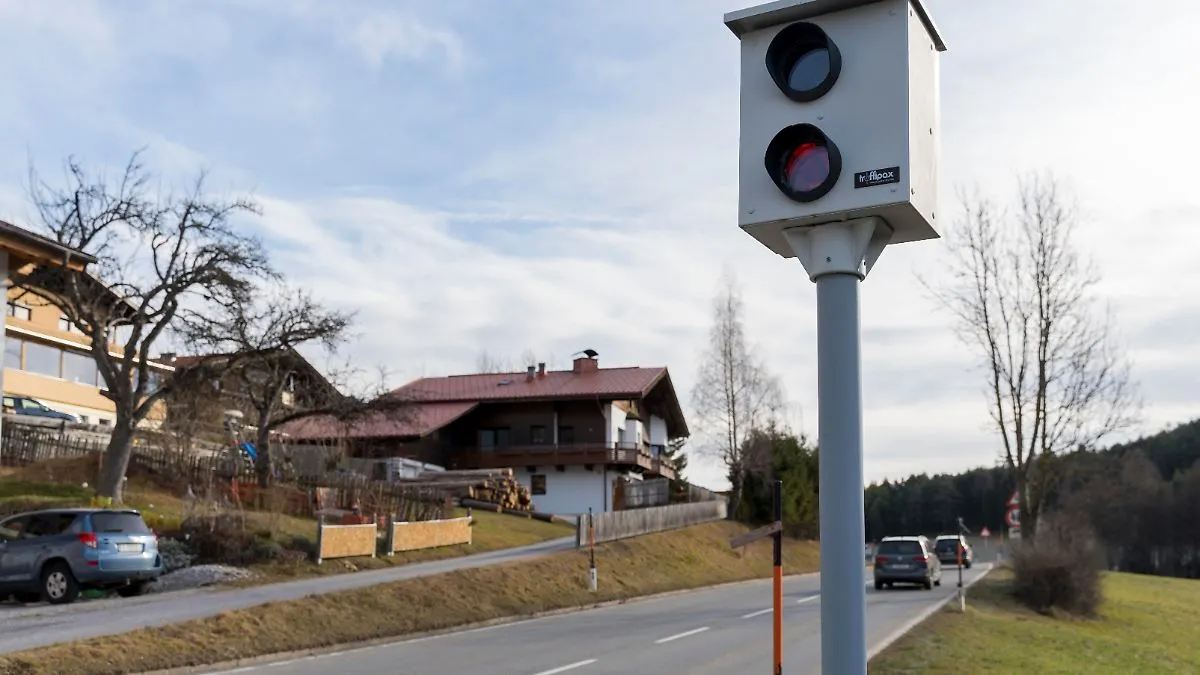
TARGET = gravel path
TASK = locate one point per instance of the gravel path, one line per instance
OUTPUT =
(197, 577)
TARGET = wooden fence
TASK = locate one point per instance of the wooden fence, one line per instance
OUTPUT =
(634, 522)
(230, 476)
(346, 541)
(428, 534)
(631, 494)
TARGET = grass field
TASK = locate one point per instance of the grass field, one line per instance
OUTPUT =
(61, 483)
(688, 558)
(1147, 625)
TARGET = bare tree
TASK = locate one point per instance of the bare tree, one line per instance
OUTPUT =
(157, 253)
(254, 349)
(735, 394)
(1021, 296)
(487, 362)
(490, 363)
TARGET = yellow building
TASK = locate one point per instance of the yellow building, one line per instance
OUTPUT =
(45, 357)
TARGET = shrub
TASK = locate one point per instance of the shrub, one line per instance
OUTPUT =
(223, 539)
(1059, 568)
(175, 554)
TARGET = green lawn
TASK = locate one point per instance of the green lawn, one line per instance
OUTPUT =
(1146, 625)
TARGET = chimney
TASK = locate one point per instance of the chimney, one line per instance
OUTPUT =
(584, 364)
(529, 373)
(542, 369)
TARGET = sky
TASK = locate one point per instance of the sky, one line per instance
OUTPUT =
(473, 175)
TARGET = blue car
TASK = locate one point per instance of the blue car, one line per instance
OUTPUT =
(55, 554)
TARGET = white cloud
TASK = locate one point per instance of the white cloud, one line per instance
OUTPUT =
(392, 35)
(577, 188)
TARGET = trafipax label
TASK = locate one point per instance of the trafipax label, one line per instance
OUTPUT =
(875, 177)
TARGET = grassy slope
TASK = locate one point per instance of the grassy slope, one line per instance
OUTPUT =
(688, 558)
(60, 483)
(1146, 625)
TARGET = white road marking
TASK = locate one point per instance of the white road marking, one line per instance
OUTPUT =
(569, 666)
(760, 612)
(810, 598)
(681, 635)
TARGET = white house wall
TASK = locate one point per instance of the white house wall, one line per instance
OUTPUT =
(616, 420)
(658, 431)
(573, 491)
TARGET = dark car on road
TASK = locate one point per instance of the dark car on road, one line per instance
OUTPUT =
(946, 547)
(54, 554)
(906, 560)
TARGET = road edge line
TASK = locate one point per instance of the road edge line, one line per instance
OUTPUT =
(463, 628)
(921, 617)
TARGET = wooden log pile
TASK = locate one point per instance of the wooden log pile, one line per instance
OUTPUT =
(497, 486)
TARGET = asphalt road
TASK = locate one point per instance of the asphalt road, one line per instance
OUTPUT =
(28, 627)
(708, 632)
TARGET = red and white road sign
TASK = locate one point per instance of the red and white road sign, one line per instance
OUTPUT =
(1012, 517)
(1014, 501)
(985, 533)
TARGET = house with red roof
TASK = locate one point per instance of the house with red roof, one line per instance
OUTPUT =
(569, 435)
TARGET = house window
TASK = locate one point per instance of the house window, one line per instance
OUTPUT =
(66, 325)
(43, 359)
(79, 368)
(537, 435)
(566, 435)
(620, 434)
(12, 354)
(494, 438)
(537, 484)
(19, 311)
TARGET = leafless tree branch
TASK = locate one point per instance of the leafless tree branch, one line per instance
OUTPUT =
(734, 394)
(1022, 296)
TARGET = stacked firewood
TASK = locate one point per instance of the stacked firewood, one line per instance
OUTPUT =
(495, 486)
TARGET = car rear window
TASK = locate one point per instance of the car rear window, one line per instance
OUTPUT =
(945, 544)
(125, 523)
(899, 548)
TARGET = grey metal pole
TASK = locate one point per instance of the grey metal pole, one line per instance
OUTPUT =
(843, 529)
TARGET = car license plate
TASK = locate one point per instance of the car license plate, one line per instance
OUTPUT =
(902, 567)
(129, 548)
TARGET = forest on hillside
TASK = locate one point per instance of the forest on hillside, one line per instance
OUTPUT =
(1141, 498)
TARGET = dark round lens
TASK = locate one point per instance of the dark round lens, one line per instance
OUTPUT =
(803, 62)
(806, 167)
(810, 70)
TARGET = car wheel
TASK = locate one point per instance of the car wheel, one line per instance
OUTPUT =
(58, 584)
(132, 590)
(879, 585)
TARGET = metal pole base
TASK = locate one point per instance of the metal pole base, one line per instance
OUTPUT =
(837, 256)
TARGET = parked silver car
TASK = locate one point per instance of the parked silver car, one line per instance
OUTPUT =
(54, 554)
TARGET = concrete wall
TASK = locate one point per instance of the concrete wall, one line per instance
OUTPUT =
(622, 524)
(573, 491)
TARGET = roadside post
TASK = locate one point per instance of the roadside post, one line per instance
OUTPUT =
(962, 595)
(838, 158)
(775, 531)
(778, 561)
(593, 582)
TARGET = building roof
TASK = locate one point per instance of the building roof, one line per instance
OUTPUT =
(438, 401)
(416, 422)
(554, 385)
(33, 245)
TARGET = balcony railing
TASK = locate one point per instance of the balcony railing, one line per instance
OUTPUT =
(572, 454)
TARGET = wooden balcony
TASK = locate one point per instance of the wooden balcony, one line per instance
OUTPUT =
(576, 454)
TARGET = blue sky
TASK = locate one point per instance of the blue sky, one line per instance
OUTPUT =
(471, 174)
